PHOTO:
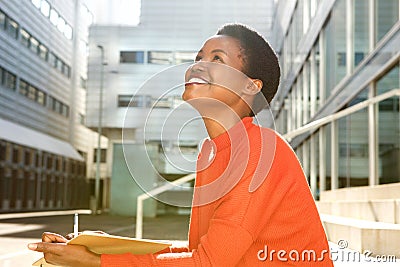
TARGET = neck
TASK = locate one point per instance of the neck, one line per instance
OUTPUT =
(217, 126)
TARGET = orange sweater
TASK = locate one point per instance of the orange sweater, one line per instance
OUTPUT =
(251, 207)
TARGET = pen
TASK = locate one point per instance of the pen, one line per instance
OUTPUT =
(76, 221)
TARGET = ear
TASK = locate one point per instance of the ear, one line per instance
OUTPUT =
(253, 87)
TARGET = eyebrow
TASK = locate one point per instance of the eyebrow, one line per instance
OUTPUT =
(219, 50)
(215, 51)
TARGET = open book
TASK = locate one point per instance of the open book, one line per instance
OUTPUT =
(112, 244)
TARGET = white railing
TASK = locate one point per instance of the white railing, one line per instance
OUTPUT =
(333, 117)
(306, 128)
(154, 192)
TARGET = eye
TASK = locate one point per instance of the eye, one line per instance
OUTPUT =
(198, 58)
(218, 59)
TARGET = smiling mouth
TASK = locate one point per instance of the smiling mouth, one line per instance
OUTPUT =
(196, 81)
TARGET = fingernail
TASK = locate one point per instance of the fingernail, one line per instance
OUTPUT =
(32, 246)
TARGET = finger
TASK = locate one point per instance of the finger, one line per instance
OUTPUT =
(71, 235)
(47, 247)
(53, 238)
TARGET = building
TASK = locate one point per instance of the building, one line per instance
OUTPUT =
(335, 54)
(144, 72)
(338, 105)
(45, 147)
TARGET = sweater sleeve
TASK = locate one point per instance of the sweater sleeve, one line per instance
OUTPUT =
(223, 245)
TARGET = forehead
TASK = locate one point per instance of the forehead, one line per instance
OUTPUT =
(226, 43)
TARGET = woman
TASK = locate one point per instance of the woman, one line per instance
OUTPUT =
(252, 205)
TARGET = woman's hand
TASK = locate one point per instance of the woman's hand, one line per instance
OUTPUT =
(56, 251)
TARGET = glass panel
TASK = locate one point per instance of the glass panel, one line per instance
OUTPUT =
(10, 81)
(361, 32)
(41, 98)
(336, 46)
(54, 17)
(25, 38)
(45, 8)
(353, 146)
(12, 28)
(68, 31)
(163, 57)
(61, 24)
(123, 100)
(389, 129)
(23, 88)
(31, 93)
(131, 57)
(34, 45)
(43, 52)
(328, 155)
(184, 57)
(2, 20)
(36, 3)
(387, 15)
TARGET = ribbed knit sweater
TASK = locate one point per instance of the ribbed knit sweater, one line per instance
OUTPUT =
(251, 207)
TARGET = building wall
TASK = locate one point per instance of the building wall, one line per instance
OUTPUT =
(334, 55)
(43, 71)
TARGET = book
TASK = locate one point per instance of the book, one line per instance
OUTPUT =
(112, 244)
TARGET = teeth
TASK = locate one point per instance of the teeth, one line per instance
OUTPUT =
(197, 80)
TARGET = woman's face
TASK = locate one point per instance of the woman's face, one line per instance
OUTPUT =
(217, 72)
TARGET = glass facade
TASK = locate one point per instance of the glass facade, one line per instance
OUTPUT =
(350, 59)
(389, 129)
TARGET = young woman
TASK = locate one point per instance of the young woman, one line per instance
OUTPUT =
(252, 205)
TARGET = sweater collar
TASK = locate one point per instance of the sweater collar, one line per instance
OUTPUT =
(224, 140)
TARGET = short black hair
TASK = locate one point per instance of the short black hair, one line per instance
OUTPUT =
(259, 59)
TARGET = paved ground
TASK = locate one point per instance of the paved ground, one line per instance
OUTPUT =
(16, 233)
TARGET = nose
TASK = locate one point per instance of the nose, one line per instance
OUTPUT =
(199, 67)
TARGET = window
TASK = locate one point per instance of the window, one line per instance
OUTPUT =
(10, 80)
(81, 119)
(12, 28)
(65, 110)
(103, 155)
(23, 88)
(28, 157)
(83, 83)
(43, 52)
(66, 70)
(61, 24)
(184, 57)
(123, 100)
(160, 57)
(45, 8)
(68, 31)
(41, 98)
(25, 36)
(16, 156)
(131, 57)
(141, 101)
(34, 45)
(2, 73)
(32, 93)
(2, 20)
(54, 17)
(36, 3)
(53, 59)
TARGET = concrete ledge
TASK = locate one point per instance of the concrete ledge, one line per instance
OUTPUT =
(381, 210)
(377, 237)
(365, 193)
